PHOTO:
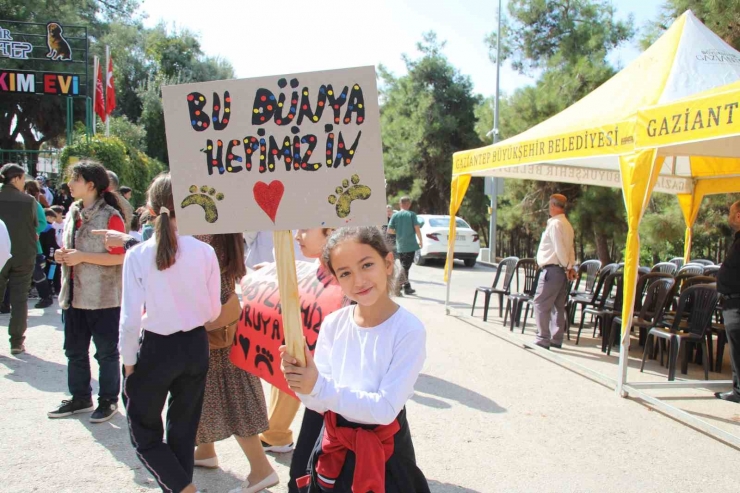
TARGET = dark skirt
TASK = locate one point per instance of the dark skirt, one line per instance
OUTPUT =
(401, 473)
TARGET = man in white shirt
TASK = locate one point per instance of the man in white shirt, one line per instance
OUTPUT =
(556, 257)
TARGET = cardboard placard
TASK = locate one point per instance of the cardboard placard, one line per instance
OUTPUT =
(260, 329)
(276, 153)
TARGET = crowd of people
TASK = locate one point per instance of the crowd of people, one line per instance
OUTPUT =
(161, 310)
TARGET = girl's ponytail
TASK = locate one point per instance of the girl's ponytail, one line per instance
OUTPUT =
(162, 204)
(111, 199)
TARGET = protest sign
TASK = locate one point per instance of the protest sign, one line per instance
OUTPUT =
(276, 153)
(260, 331)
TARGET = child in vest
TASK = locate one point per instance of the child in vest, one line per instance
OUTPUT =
(49, 245)
(178, 279)
(90, 295)
(368, 357)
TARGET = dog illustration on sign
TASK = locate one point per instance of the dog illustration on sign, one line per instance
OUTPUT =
(205, 200)
(59, 49)
(347, 194)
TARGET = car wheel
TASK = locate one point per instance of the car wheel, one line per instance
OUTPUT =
(418, 259)
(470, 262)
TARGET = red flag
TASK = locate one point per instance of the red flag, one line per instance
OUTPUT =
(99, 102)
(110, 89)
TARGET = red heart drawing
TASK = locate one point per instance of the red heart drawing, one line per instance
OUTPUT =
(268, 196)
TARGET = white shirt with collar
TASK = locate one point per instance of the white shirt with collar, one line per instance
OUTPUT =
(556, 245)
(4, 244)
(181, 298)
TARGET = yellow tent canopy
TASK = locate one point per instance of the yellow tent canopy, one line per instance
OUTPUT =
(593, 141)
(699, 136)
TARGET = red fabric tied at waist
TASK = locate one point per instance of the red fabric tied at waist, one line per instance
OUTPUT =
(372, 450)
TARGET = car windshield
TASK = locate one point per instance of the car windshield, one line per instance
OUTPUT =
(441, 222)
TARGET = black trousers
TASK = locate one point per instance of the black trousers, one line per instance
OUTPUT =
(731, 315)
(407, 260)
(176, 365)
(39, 278)
(102, 327)
(310, 433)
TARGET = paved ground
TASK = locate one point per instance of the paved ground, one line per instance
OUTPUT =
(487, 416)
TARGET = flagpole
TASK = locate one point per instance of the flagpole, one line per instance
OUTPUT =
(107, 65)
(95, 90)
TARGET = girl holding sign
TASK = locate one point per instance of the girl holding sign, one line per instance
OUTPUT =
(368, 357)
(172, 357)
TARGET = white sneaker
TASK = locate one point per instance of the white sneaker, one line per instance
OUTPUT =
(268, 482)
(277, 449)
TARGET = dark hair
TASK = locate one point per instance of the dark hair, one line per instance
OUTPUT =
(160, 195)
(95, 173)
(113, 178)
(125, 190)
(365, 235)
(50, 213)
(135, 222)
(32, 188)
(10, 172)
(233, 247)
(64, 188)
(57, 208)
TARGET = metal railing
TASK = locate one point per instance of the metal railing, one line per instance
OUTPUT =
(34, 162)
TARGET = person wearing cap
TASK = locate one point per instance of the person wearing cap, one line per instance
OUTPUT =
(728, 283)
(45, 191)
(556, 257)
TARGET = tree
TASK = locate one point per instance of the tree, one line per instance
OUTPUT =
(39, 119)
(427, 115)
(721, 16)
(566, 43)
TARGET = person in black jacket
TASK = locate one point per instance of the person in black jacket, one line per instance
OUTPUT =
(728, 283)
(18, 212)
(48, 240)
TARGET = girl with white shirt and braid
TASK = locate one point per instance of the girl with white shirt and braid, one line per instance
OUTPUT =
(172, 357)
(368, 357)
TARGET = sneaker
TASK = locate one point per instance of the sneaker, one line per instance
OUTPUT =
(68, 408)
(277, 449)
(4, 308)
(18, 350)
(104, 412)
(45, 303)
(409, 291)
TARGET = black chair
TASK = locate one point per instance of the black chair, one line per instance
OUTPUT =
(651, 311)
(665, 268)
(678, 261)
(587, 273)
(601, 309)
(508, 267)
(691, 269)
(643, 283)
(641, 271)
(702, 262)
(515, 300)
(711, 271)
(592, 299)
(703, 300)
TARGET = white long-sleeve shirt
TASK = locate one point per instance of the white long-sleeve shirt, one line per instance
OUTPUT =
(556, 245)
(178, 299)
(367, 374)
(4, 244)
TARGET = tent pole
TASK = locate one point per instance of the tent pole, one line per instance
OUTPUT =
(494, 180)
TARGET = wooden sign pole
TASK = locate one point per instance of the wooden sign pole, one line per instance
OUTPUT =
(289, 302)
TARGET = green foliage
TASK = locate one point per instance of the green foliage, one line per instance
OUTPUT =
(133, 167)
(567, 42)
(131, 134)
(721, 16)
(426, 116)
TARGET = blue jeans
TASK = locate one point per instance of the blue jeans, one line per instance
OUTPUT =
(102, 326)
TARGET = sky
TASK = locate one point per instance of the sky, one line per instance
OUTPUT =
(271, 37)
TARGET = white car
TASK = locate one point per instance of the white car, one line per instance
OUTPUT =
(435, 232)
